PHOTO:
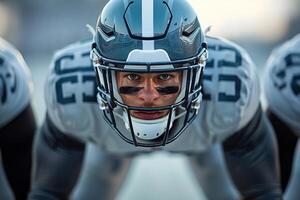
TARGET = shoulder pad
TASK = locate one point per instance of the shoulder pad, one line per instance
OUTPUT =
(231, 88)
(70, 91)
(15, 83)
(282, 82)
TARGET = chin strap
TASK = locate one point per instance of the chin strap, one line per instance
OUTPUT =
(149, 129)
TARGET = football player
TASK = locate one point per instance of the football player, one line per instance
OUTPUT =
(145, 68)
(282, 92)
(17, 123)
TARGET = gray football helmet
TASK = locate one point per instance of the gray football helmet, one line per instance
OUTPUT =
(149, 36)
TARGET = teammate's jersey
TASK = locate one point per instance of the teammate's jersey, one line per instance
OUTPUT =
(15, 83)
(282, 83)
(230, 99)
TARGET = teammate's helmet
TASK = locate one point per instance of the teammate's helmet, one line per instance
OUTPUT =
(149, 36)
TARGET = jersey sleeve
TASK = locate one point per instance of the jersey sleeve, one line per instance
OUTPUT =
(15, 83)
(282, 83)
(70, 92)
(231, 89)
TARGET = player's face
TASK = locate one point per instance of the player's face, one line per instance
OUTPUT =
(149, 90)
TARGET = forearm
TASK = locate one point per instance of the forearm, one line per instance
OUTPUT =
(293, 191)
(102, 174)
(287, 142)
(5, 191)
(252, 160)
(16, 149)
(211, 172)
(57, 163)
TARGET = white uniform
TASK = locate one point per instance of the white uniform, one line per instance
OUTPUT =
(15, 83)
(231, 97)
(282, 91)
(230, 105)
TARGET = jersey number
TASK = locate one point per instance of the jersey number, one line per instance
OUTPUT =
(291, 60)
(4, 80)
(237, 62)
(72, 78)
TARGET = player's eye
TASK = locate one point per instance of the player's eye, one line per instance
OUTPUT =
(165, 77)
(133, 77)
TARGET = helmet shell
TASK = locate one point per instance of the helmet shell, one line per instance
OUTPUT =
(122, 28)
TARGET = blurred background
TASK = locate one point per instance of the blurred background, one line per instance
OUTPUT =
(38, 28)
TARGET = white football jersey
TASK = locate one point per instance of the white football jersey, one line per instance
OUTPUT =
(15, 83)
(282, 83)
(230, 99)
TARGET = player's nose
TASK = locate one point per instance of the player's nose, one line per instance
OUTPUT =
(149, 94)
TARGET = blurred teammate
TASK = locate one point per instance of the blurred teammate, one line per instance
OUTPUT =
(17, 123)
(282, 91)
(154, 94)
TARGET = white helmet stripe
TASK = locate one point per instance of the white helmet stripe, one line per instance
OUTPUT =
(148, 23)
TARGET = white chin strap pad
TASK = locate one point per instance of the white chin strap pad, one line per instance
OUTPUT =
(149, 129)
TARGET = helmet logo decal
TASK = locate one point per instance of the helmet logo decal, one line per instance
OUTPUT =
(147, 24)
